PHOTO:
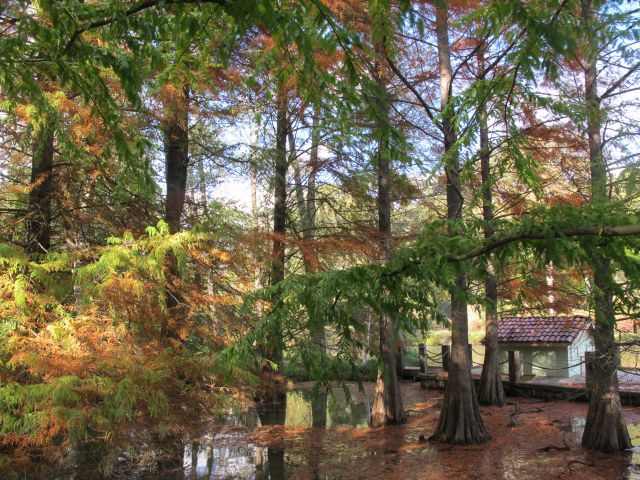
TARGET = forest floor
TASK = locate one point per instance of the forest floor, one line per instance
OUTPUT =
(540, 442)
(531, 439)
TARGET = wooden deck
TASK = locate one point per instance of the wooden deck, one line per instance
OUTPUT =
(545, 388)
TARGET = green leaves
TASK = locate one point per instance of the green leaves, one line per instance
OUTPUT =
(408, 287)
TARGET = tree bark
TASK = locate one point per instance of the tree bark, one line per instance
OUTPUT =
(254, 178)
(202, 180)
(307, 213)
(39, 211)
(490, 391)
(605, 429)
(387, 404)
(274, 352)
(176, 142)
(176, 132)
(460, 421)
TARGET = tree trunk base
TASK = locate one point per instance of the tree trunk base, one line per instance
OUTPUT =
(387, 405)
(491, 392)
(460, 420)
(605, 430)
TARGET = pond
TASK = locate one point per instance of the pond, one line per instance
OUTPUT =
(231, 454)
(326, 437)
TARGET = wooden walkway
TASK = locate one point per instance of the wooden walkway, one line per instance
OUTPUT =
(573, 388)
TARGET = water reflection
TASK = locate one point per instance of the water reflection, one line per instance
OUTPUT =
(320, 409)
(634, 469)
(245, 447)
(272, 414)
(575, 424)
(228, 454)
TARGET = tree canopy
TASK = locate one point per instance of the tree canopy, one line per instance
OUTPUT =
(199, 196)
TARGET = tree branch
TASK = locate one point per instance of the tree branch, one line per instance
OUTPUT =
(413, 90)
(619, 231)
(498, 242)
(620, 81)
(144, 5)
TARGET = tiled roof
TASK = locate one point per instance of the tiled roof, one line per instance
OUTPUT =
(541, 329)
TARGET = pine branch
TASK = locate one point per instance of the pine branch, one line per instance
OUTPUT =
(132, 11)
(604, 231)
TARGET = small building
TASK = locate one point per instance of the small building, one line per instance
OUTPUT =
(549, 346)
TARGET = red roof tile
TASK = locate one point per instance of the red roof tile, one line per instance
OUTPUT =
(541, 329)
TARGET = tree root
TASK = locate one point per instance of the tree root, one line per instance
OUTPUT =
(517, 412)
(548, 448)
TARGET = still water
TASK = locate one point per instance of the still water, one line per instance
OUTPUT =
(230, 454)
(326, 437)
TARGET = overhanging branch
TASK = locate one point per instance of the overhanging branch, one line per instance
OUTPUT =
(144, 5)
(619, 231)
(497, 243)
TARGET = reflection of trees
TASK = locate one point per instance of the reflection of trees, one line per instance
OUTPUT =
(272, 413)
(233, 456)
(228, 455)
(173, 456)
(298, 408)
(341, 411)
(319, 408)
(198, 450)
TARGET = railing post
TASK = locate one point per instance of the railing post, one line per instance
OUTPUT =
(514, 366)
(446, 357)
(422, 357)
(470, 356)
(588, 369)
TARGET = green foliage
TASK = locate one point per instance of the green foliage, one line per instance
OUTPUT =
(90, 347)
(430, 265)
(342, 370)
(87, 362)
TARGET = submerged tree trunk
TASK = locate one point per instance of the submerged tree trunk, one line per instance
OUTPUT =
(274, 413)
(490, 391)
(39, 211)
(605, 429)
(460, 421)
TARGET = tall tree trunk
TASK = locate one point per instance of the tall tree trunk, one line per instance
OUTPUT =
(605, 429)
(254, 205)
(202, 180)
(307, 213)
(460, 421)
(318, 336)
(176, 132)
(176, 139)
(39, 212)
(254, 178)
(387, 404)
(490, 391)
(274, 353)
